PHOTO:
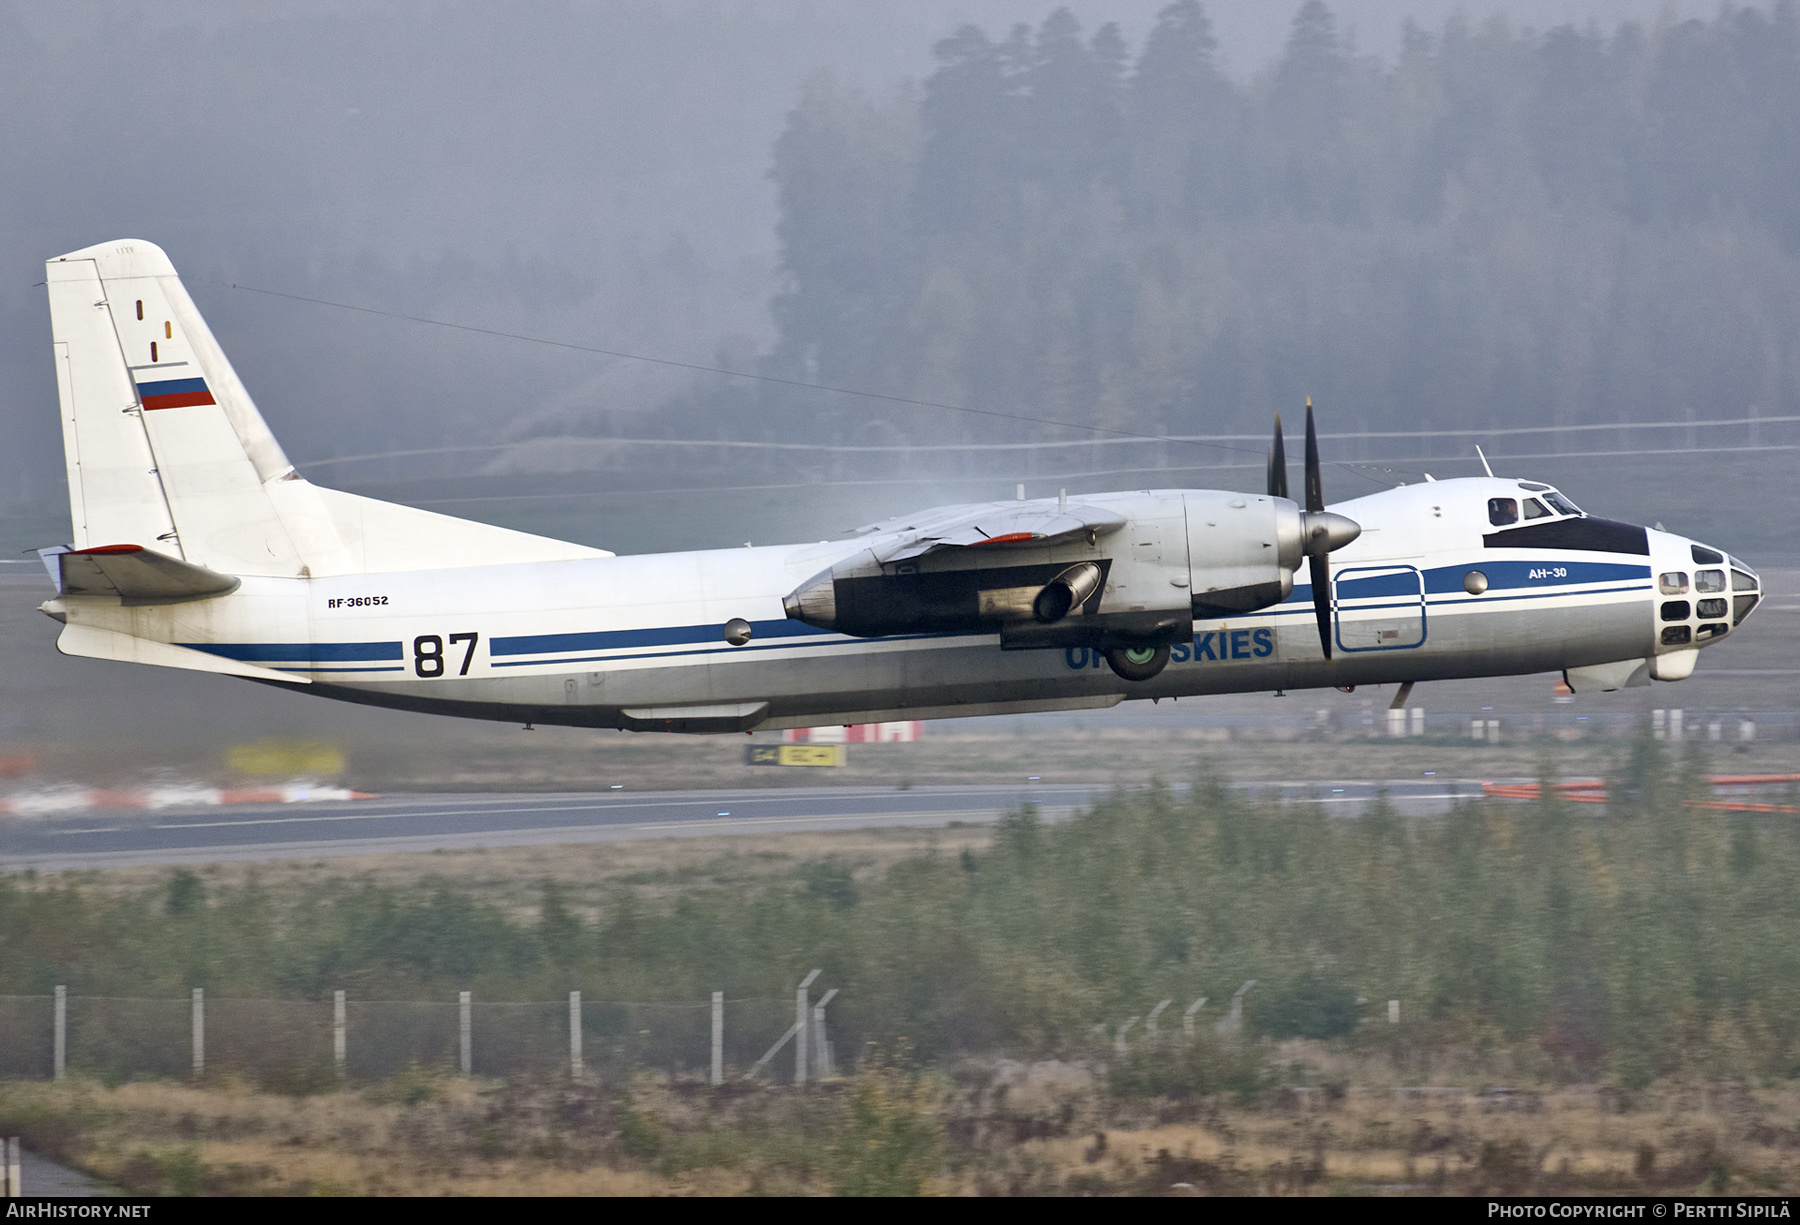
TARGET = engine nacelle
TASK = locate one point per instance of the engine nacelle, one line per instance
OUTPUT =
(1242, 551)
(1150, 565)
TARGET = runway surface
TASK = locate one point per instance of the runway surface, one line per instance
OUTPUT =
(106, 839)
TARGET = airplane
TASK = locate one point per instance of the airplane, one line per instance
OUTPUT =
(197, 545)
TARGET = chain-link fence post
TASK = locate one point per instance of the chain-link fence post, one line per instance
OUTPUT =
(464, 1019)
(199, 1032)
(575, 1035)
(62, 1032)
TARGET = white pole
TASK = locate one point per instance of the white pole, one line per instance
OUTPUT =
(1119, 1043)
(1234, 1020)
(199, 1027)
(800, 1028)
(13, 1157)
(62, 1031)
(1187, 1018)
(1393, 1012)
(1150, 1021)
(575, 1035)
(718, 1038)
(339, 1048)
(463, 1010)
(821, 1045)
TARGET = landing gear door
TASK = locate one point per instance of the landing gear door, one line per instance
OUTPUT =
(1379, 608)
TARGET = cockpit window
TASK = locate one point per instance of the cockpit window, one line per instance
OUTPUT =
(1704, 556)
(1742, 582)
(1709, 580)
(1562, 504)
(1535, 509)
(1502, 511)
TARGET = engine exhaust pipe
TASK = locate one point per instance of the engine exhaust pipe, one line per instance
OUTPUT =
(1067, 591)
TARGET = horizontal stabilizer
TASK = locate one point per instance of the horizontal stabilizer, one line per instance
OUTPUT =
(95, 643)
(138, 576)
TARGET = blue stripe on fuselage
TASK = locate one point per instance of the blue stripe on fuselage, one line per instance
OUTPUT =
(1549, 572)
(1501, 575)
(656, 636)
(283, 652)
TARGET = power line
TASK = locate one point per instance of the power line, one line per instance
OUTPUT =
(841, 449)
(1044, 478)
(736, 374)
(1114, 436)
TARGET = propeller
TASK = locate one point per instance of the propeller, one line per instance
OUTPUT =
(1318, 545)
(1321, 530)
(1278, 486)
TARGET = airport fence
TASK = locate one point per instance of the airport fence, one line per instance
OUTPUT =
(296, 1044)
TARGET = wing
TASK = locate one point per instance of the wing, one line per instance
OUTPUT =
(999, 525)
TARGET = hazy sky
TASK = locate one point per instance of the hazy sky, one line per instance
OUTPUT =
(588, 171)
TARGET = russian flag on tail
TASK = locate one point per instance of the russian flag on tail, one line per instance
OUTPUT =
(174, 393)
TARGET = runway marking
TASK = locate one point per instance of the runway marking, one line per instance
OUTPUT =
(419, 843)
(737, 822)
(321, 818)
(476, 808)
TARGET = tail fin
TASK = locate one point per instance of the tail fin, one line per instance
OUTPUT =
(165, 448)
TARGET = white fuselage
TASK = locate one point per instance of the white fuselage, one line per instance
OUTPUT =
(637, 642)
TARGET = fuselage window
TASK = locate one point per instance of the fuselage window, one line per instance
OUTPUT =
(1561, 503)
(153, 350)
(1676, 635)
(1535, 509)
(168, 330)
(1712, 629)
(1673, 583)
(1675, 610)
(1710, 608)
(1502, 511)
(1709, 580)
(140, 308)
(1704, 556)
(1742, 582)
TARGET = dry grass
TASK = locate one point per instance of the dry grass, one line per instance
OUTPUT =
(1051, 1130)
(513, 877)
(463, 1139)
(1388, 1142)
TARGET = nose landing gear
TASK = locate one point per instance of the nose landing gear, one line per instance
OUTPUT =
(1137, 663)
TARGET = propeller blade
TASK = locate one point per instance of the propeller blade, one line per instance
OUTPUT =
(1315, 485)
(1324, 533)
(1278, 476)
(1321, 585)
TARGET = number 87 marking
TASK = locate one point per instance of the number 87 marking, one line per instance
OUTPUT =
(428, 654)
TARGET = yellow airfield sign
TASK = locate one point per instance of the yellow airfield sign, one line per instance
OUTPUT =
(797, 755)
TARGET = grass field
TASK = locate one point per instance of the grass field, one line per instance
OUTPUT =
(994, 1128)
(1592, 998)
